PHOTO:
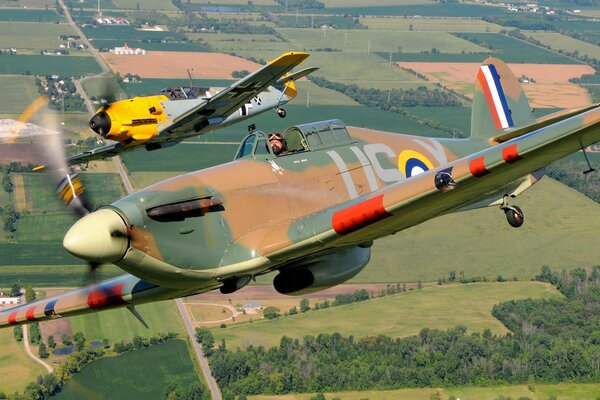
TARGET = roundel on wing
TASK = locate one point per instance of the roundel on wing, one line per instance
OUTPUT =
(412, 163)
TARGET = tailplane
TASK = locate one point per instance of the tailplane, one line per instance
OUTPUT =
(499, 102)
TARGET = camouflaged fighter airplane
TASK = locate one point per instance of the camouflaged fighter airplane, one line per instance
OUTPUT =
(312, 212)
(182, 111)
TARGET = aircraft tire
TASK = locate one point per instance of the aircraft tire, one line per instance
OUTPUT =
(514, 216)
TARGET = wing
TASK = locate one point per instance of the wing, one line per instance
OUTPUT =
(99, 153)
(422, 197)
(220, 106)
(122, 291)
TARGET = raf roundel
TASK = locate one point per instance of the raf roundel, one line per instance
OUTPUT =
(412, 163)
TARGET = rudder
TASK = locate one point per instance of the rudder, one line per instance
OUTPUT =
(499, 102)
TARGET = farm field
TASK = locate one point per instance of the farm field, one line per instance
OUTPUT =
(146, 5)
(398, 315)
(563, 391)
(357, 41)
(228, 42)
(161, 64)
(120, 324)
(429, 24)
(427, 10)
(25, 15)
(375, 3)
(34, 36)
(17, 369)
(559, 231)
(47, 65)
(49, 275)
(551, 90)
(167, 46)
(149, 371)
(558, 41)
(24, 86)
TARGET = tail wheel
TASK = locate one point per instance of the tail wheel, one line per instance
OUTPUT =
(514, 216)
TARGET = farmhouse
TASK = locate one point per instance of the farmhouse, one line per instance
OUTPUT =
(126, 50)
(252, 307)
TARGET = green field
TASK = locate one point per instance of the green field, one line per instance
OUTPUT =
(562, 391)
(560, 230)
(120, 324)
(124, 33)
(141, 374)
(47, 65)
(24, 86)
(513, 50)
(429, 24)
(428, 10)
(230, 42)
(399, 315)
(17, 369)
(150, 86)
(357, 41)
(24, 15)
(146, 4)
(34, 36)
(166, 46)
(60, 275)
(559, 41)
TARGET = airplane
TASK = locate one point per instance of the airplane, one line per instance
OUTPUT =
(312, 213)
(177, 112)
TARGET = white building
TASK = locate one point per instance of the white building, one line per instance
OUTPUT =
(9, 301)
(126, 50)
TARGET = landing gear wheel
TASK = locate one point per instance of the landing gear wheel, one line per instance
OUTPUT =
(514, 216)
(281, 112)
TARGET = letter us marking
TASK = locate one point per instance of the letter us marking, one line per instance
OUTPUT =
(370, 165)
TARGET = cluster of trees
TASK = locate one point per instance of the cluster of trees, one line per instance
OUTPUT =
(570, 174)
(205, 337)
(8, 214)
(195, 391)
(240, 74)
(139, 342)
(392, 100)
(62, 93)
(552, 341)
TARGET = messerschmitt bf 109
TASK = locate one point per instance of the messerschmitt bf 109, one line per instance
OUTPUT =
(178, 112)
(312, 212)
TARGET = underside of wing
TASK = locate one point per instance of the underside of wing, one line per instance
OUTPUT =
(122, 291)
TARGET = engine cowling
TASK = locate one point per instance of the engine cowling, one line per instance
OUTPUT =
(321, 272)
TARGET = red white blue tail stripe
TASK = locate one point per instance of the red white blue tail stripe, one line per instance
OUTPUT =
(490, 83)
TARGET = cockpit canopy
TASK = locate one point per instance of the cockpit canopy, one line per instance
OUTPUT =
(307, 137)
(184, 92)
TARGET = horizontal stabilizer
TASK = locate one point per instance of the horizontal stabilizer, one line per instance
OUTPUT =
(296, 75)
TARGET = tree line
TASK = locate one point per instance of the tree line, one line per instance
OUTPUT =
(550, 341)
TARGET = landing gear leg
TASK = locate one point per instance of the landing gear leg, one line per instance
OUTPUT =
(514, 215)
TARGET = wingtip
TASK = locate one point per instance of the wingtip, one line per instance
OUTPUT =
(289, 58)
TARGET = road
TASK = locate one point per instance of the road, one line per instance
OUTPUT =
(212, 384)
(28, 347)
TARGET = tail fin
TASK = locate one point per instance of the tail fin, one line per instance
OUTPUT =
(499, 102)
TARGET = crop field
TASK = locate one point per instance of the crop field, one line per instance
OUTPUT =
(45, 65)
(25, 15)
(26, 3)
(427, 10)
(419, 24)
(513, 50)
(103, 189)
(559, 41)
(169, 64)
(451, 117)
(226, 42)
(34, 36)
(562, 391)
(148, 372)
(399, 315)
(142, 179)
(361, 41)
(374, 3)
(43, 227)
(51, 254)
(120, 324)
(49, 275)
(315, 21)
(558, 231)
(24, 86)
(551, 89)
(17, 369)
(146, 5)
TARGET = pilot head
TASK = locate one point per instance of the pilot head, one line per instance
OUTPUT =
(277, 143)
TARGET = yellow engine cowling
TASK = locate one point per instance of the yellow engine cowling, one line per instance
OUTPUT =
(132, 120)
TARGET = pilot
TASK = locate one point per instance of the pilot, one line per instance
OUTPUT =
(277, 143)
